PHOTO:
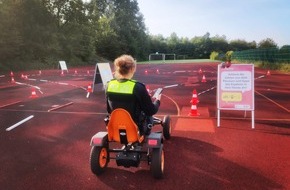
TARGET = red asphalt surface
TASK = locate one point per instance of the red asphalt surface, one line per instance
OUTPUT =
(51, 150)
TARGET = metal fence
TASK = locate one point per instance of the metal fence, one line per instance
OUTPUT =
(270, 55)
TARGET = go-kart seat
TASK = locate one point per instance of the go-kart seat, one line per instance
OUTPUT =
(121, 128)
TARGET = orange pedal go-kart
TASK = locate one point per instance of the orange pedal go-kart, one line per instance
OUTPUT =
(133, 147)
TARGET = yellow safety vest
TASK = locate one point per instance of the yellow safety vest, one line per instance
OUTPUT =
(126, 87)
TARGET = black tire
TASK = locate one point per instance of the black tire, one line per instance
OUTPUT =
(99, 159)
(157, 162)
(166, 124)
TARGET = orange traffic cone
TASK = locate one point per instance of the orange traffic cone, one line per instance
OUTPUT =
(89, 90)
(200, 71)
(39, 72)
(76, 72)
(268, 73)
(11, 74)
(194, 101)
(61, 74)
(157, 71)
(203, 79)
(12, 80)
(146, 72)
(33, 93)
(88, 72)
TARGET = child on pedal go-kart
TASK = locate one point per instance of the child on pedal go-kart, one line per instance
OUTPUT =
(131, 95)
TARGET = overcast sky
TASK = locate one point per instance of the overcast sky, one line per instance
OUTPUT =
(250, 20)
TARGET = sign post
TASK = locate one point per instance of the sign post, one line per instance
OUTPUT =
(235, 89)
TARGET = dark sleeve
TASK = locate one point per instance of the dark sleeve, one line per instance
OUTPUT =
(107, 100)
(147, 106)
(108, 106)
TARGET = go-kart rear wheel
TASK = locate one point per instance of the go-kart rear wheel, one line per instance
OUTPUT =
(99, 159)
(157, 162)
(166, 124)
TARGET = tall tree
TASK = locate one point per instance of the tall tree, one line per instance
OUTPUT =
(39, 32)
(202, 46)
(219, 44)
(121, 29)
(129, 26)
(239, 45)
(157, 43)
(107, 42)
(173, 42)
(75, 29)
(10, 35)
(267, 43)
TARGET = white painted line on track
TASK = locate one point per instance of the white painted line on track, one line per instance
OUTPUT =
(2, 75)
(170, 86)
(58, 107)
(19, 123)
(28, 85)
(54, 82)
(10, 104)
(174, 102)
(36, 87)
(260, 77)
(63, 83)
(206, 90)
(277, 104)
(20, 83)
(179, 72)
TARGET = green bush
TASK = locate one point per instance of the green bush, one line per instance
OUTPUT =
(229, 55)
(285, 67)
(214, 55)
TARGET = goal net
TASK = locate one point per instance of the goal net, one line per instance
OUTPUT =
(162, 56)
(156, 56)
(170, 56)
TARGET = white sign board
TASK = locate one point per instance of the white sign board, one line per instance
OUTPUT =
(63, 65)
(103, 71)
(235, 88)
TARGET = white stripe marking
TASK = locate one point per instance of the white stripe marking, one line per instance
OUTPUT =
(170, 86)
(179, 71)
(63, 83)
(9, 104)
(260, 77)
(19, 123)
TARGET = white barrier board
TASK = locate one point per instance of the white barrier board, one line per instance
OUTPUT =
(103, 73)
(63, 65)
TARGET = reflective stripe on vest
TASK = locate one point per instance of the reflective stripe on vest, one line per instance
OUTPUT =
(121, 87)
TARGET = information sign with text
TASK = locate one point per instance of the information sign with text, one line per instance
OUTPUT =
(235, 87)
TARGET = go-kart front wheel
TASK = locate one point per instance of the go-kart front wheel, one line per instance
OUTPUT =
(99, 159)
(166, 124)
(157, 162)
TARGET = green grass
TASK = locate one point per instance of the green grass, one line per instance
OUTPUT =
(177, 61)
(284, 67)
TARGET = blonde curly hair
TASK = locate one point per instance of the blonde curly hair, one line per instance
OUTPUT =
(125, 65)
